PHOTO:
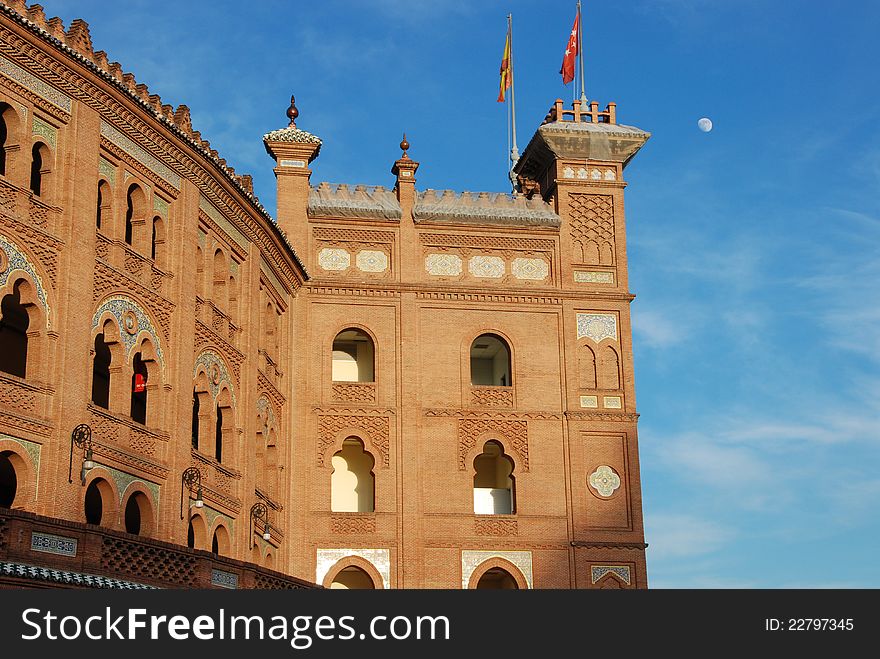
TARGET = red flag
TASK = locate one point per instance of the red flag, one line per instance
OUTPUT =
(571, 51)
(506, 70)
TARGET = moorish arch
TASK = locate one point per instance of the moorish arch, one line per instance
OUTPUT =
(353, 569)
(134, 322)
(18, 476)
(214, 407)
(24, 314)
(15, 265)
(493, 564)
(128, 361)
(266, 447)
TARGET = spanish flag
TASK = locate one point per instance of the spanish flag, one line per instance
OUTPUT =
(506, 69)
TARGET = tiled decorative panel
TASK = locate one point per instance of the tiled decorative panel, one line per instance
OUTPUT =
(491, 267)
(533, 269)
(593, 277)
(140, 154)
(48, 543)
(223, 579)
(597, 326)
(604, 480)
(333, 258)
(35, 84)
(369, 260)
(599, 571)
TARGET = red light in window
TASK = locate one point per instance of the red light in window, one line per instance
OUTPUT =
(140, 383)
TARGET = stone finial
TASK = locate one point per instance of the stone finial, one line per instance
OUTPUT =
(292, 112)
(404, 146)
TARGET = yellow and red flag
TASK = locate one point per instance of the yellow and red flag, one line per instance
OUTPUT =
(506, 70)
(571, 51)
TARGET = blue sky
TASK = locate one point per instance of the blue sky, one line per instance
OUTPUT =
(754, 249)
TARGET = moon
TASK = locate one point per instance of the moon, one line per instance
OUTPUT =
(705, 124)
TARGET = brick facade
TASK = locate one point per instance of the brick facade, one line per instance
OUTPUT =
(190, 283)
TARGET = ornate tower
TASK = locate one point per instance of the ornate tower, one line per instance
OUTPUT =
(576, 161)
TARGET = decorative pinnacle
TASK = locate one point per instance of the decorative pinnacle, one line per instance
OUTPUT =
(404, 145)
(292, 112)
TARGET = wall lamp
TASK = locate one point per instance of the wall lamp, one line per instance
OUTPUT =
(259, 512)
(191, 481)
(81, 437)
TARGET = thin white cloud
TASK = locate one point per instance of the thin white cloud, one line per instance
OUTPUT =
(677, 536)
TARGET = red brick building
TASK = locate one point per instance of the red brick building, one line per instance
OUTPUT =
(384, 387)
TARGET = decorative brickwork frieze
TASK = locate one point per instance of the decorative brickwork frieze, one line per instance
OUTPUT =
(513, 434)
(376, 429)
(591, 227)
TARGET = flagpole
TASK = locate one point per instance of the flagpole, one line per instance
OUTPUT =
(581, 55)
(514, 151)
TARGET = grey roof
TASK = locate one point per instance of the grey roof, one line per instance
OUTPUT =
(339, 200)
(291, 134)
(35, 573)
(589, 127)
(483, 208)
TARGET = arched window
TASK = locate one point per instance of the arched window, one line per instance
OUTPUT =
(139, 390)
(497, 579)
(14, 323)
(608, 369)
(104, 211)
(272, 463)
(220, 541)
(39, 163)
(586, 367)
(98, 503)
(353, 357)
(197, 533)
(100, 209)
(201, 414)
(352, 483)
(218, 435)
(8, 480)
(196, 422)
(4, 137)
(352, 578)
(221, 274)
(135, 216)
(9, 136)
(101, 373)
(493, 481)
(157, 241)
(490, 361)
(138, 514)
(200, 273)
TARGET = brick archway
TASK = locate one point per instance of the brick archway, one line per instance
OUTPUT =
(501, 563)
(358, 562)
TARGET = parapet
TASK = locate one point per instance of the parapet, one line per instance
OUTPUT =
(339, 200)
(483, 208)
